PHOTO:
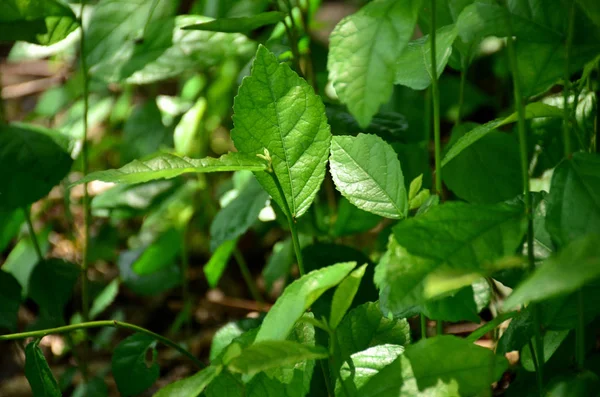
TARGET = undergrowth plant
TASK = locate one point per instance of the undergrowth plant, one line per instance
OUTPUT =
(330, 149)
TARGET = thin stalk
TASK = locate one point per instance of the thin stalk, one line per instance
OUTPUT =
(423, 321)
(487, 327)
(291, 223)
(291, 33)
(567, 82)
(536, 366)
(100, 324)
(185, 287)
(435, 93)
(239, 258)
(527, 196)
(461, 91)
(32, 235)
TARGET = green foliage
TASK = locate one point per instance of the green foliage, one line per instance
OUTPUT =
(131, 368)
(38, 372)
(52, 297)
(10, 300)
(239, 24)
(344, 295)
(191, 386)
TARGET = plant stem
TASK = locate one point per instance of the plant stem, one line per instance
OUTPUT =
(291, 33)
(32, 235)
(99, 324)
(461, 90)
(567, 82)
(423, 320)
(239, 258)
(436, 104)
(185, 288)
(291, 223)
(439, 327)
(526, 192)
(580, 331)
(487, 327)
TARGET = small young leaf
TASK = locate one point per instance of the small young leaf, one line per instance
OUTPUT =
(165, 166)
(10, 300)
(132, 373)
(344, 295)
(366, 170)
(105, 298)
(472, 367)
(53, 296)
(215, 267)
(236, 218)
(298, 297)
(191, 386)
(265, 355)
(38, 373)
(293, 128)
(37, 158)
(533, 110)
(574, 201)
(415, 187)
(364, 50)
(413, 68)
(573, 267)
(240, 24)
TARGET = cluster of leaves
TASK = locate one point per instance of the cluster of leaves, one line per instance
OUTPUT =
(331, 331)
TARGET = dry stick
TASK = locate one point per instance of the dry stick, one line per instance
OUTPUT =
(528, 201)
(99, 324)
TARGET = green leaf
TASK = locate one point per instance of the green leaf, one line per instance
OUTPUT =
(144, 133)
(166, 165)
(160, 254)
(10, 223)
(52, 297)
(519, 332)
(573, 267)
(10, 300)
(463, 236)
(230, 332)
(352, 220)
(413, 67)
(42, 22)
(293, 128)
(265, 355)
(573, 209)
(366, 170)
(191, 386)
(344, 295)
(533, 110)
(580, 384)
(218, 262)
(591, 9)
(150, 284)
(487, 171)
(298, 297)
(369, 373)
(38, 160)
(236, 218)
(240, 24)
(364, 49)
(94, 387)
(38, 373)
(22, 259)
(105, 298)
(463, 305)
(280, 262)
(365, 326)
(132, 373)
(114, 22)
(472, 367)
(552, 341)
(188, 137)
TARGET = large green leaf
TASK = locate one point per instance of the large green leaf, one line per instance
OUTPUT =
(414, 64)
(472, 367)
(277, 110)
(344, 295)
(52, 297)
(574, 200)
(114, 22)
(132, 373)
(38, 373)
(37, 159)
(487, 171)
(39, 21)
(265, 355)
(298, 297)
(364, 49)
(464, 236)
(365, 326)
(191, 386)
(10, 300)
(234, 219)
(239, 24)
(592, 9)
(533, 110)
(166, 165)
(573, 267)
(366, 170)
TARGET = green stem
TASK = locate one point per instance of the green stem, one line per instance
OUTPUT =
(291, 223)
(100, 324)
(436, 104)
(567, 82)
(32, 235)
(526, 192)
(580, 331)
(291, 33)
(439, 327)
(185, 287)
(461, 90)
(487, 327)
(239, 258)
(423, 321)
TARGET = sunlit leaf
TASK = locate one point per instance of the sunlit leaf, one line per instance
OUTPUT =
(240, 24)
(191, 386)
